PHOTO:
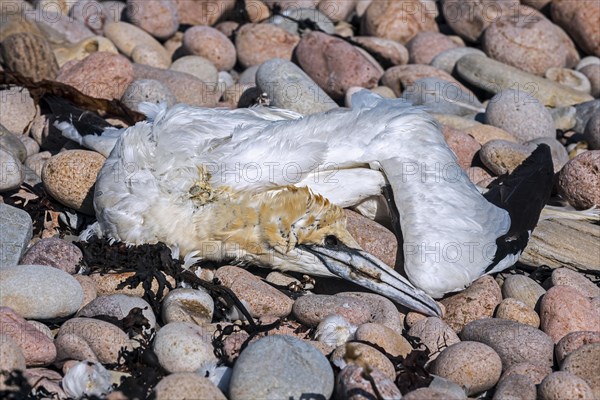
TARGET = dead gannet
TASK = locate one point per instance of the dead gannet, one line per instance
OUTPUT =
(266, 186)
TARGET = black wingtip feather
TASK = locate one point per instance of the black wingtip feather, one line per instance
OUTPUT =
(86, 122)
(523, 193)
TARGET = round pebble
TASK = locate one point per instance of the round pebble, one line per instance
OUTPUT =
(579, 179)
(147, 90)
(400, 77)
(278, 367)
(572, 341)
(564, 385)
(11, 356)
(364, 356)
(54, 252)
(186, 385)
(118, 306)
(127, 37)
(385, 338)
(70, 176)
(477, 301)
(592, 73)
(101, 74)
(427, 393)
(188, 305)
(89, 288)
(520, 114)
(425, 46)
(391, 20)
(13, 174)
(29, 55)
(210, 43)
(502, 157)
(473, 365)
(157, 17)
(115, 283)
(298, 12)
(564, 310)
(183, 347)
(18, 110)
(447, 59)
(535, 373)
(568, 277)
(193, 13)
(585, 363)
(523, 289)
(514, 342)
(579, 18)
(352, 384)
(516, 310)
(12, 143)
(35, 347)
(435, 334)
(515, 387)
(569, 77)
(390, 51)
(312, 309)
(57, 294)
(202, 68)
(592, 132)
(257, 43)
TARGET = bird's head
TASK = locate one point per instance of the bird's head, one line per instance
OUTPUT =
(306, 233)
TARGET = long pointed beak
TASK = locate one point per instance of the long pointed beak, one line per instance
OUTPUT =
(367, 271)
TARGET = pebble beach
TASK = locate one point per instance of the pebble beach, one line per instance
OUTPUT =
(101, 320)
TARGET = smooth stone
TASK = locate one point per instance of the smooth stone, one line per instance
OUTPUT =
(586, 61)
(278, 367)
(116, 283)
(363, 355)
(31, 146)
(89, 289)
(80, 338)
(18, 109)
(564, 385)
(592, 132)
(523, 289)
(186, 385)
(148, 55)
(54, 252)
(188, 305)
(11, 356)
(291, 88)
(248, 77)
(592, 73)
(383, 310)
(82, 49)
(352, 384)
(502, 157)
(447, 59)
(584, 112)
(335, 65)
(147, 90)
(514, 342)
(12, 174)
(209, 43)
(127, 37)
(29, 55)
(446, 385)
(101, 74)
(470, 19)
(484, 133)
(475, 366)
(389, 51)
(37, 161)
(200, 12)
(435, 334)
(400, 77)
(535, 373)
(299, 13)
(425, 46)
(257, 43)
(572, 341)
(262, 298)
(200, 67)
(372, 237)
(36, 348)
(90, 13)
(385, 338)
(426, 393)
(527, 40)
(585, 363)
(571, 78)
(515, 387)
(17, 229)
(70, 176)
(118, 306)
(479, 176)
(185, 87)
(443, 97)
(495, 77)
(392, 20)
(39, 291)
(517, 112)
(568, 277)
(477, 301)
(516, 310)
(157, 17)
(579, 180)
(564, 310)
(579, 18)
(183, 347)
(57, 28)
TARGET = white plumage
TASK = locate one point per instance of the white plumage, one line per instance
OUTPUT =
(148, 189)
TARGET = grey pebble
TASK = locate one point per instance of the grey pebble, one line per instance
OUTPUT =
(248, 77)
(447, 59)
(30, 145)
(324, 23)
(17, 229)
(183, 347)
(591, 133)
(515, 387)
(564, 117)
(518, 113)
(523, 289)
(501, 156)
(200, 67)
(289, 87)
(118, 306)
(514, 342)
(147, 90)
(564, 385)
(281, 367)
(585, 61)
(188, 305)
(11, 143)
(442, 97)
(54, 252)
(12, 171)
(39, 291)
(11, 356)
(584, 112)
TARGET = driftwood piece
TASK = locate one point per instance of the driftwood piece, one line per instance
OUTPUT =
(564, 243)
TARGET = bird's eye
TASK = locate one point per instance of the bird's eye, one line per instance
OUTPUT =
(331, 240)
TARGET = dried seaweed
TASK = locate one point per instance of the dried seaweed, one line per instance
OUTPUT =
(18, 388)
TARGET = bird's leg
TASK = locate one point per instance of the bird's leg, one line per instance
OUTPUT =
(388, 194)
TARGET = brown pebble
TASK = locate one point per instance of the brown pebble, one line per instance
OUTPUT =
(364, 356)
(561, 385)
(579, 180)
(585, 363)
(516, 310)
(534, 372)
(29, 55)
(572, 341)
(211, 44)
(257, 43)
(387, 339)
